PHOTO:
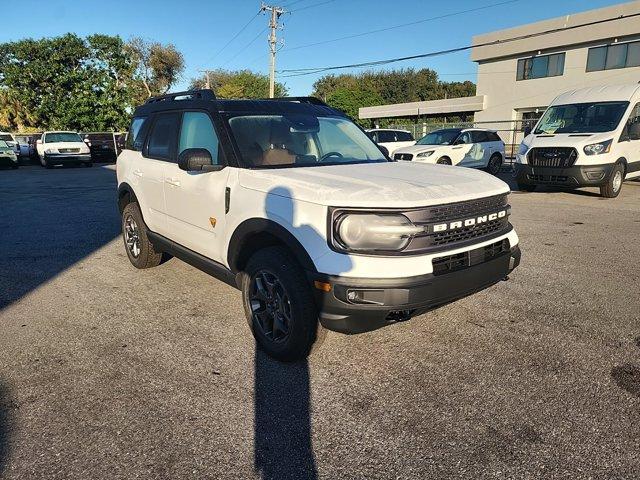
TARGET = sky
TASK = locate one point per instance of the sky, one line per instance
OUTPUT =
(201, 30)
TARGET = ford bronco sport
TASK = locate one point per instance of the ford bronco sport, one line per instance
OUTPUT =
(292, 203)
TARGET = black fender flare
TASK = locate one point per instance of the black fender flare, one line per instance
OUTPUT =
(256, 226)
(124, 188)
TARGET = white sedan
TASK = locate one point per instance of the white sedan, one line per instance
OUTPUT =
(465, 147)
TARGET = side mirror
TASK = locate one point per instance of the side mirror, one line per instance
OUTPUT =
(527, 131)
(633, 133)
(197, 160)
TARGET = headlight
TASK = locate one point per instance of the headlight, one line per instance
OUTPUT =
(370, 232)
(425, 154)
(50, 150)
(598, 148)
(523, 149)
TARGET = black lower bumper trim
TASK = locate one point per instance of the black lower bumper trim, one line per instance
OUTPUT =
(391, 300)
(61, 158)
(576, 176)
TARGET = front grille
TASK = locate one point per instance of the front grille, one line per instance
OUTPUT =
(460, 261)
(403, 156)
(464, 221)
(69, 150)
(554, 157)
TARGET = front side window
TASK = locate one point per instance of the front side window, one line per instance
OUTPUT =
(6, 137)
(62, 137)
(386, 136)
(633, 124)
(3, 145)
(540, 67)
(464, 138)
(163, 134)
(197, 132)
(611, 57)
(301, 140)
(582, 118)
(439, 137)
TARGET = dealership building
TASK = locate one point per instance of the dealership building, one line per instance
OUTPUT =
(518, 78)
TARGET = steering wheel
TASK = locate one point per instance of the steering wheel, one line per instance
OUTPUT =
(330, 154)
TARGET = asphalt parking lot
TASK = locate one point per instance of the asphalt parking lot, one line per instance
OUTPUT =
(109, 372)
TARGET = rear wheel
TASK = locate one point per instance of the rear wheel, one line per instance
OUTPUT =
(139, 249)
(279, 305)
(612, 188)
(444, 161)
(495, 164)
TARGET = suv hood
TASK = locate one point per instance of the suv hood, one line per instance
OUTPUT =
(577, 140)
(380, 185)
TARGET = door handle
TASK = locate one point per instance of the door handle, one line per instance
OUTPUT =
(172, 181)
(456, 148)
(137, 173)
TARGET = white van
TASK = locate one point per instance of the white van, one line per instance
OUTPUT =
(587, 137)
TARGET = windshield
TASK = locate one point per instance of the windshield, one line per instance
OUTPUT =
(301, 140)
(582, 118)
(3, 144)
(62, 137)
(6, 137)
(439, 137)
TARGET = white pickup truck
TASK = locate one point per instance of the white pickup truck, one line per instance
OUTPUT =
(292, 203)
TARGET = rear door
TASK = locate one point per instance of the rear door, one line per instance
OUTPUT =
(159, 150)
(196, 200)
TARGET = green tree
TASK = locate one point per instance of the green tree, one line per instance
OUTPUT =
(157, 66)
(349, 100)
(238, 84)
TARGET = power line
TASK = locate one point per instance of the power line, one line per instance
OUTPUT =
(312, 6)
(293, 3)
(310, 71)
(386, 29)
(246, 46)
(236, 35)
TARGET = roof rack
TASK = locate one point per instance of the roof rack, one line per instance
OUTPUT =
(204, 94)
(311, 100)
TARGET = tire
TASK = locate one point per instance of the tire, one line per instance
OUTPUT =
(43, 162)
(495, 164)
(612, 188)
(289, 295)
(139, 249)
(444, 161)
(525, 187)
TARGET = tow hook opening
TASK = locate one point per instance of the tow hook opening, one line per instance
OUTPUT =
(399, 315)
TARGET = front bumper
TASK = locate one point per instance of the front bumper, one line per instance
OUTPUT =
(7, 161)
(403, 298)
(58, 158)
(576, 176)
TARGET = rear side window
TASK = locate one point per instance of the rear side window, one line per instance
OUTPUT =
(162, 139)
(133, 142)
(385, 136)
(404, 137)
(479, 137)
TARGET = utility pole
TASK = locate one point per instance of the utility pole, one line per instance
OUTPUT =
(276, 13)
(208, 80)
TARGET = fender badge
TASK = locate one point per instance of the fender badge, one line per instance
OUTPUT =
(212, 221)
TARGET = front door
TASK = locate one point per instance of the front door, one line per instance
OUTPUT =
(196, 200)
(629, 145)
(461, 150)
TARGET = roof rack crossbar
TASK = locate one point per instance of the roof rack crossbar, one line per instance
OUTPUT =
(204, 94)
(310, 100)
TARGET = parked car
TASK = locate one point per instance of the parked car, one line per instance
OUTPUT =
(465, 147)
(391, 139)
(587, 137)
(56, 148)
(290, 202)
(11, 141)
(8, 157)
(26, 145)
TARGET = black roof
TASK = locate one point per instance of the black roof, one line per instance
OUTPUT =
(207, 100)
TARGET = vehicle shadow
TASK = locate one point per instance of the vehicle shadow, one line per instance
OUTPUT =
(50, 220)
(282, 398)
(6, 421)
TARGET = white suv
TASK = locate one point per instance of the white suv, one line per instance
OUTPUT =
(391, 139)
(292, 203)
(465, 147)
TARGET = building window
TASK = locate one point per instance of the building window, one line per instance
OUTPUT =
(541, 66)
(610, 57)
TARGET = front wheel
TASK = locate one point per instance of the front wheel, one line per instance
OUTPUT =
(444, 161)
(612, 188)
(495, 164)
(279, 305)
